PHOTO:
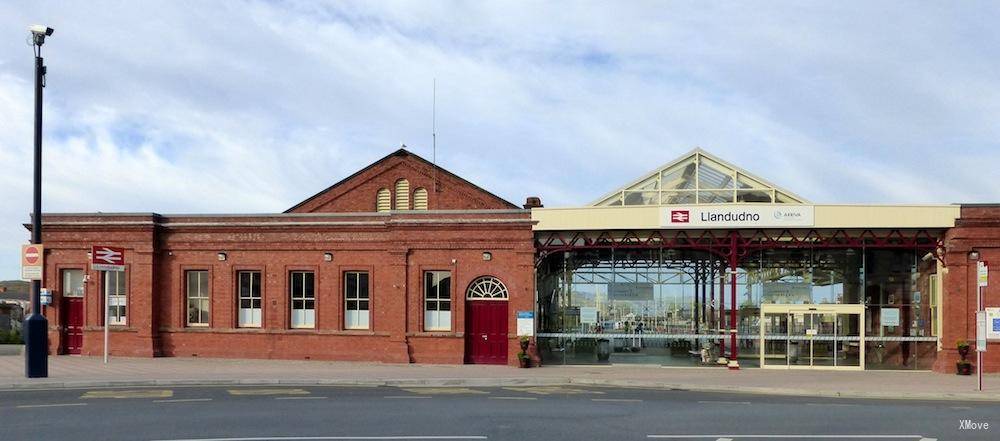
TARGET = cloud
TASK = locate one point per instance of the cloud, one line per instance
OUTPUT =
(252, 106)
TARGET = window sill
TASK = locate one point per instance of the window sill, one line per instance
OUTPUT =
(113, 328)
(307, 331)
(435, 334)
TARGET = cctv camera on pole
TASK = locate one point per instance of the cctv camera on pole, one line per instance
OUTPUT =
(36, 327)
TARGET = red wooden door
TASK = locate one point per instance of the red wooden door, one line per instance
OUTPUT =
(486, 332)
(73, 318)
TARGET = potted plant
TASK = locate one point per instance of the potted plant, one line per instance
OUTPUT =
(963, 366)
(525, 341)
(523, 360)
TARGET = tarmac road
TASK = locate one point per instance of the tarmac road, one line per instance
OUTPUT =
(244, 413)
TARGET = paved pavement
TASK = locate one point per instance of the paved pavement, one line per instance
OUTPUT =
(551, 413)
(72, 371)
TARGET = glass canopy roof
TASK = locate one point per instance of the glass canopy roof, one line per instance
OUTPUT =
(698, 178)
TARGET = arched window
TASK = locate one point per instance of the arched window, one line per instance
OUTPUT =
(383, 200)
(486, 288)
(402, 194)
(420, 199)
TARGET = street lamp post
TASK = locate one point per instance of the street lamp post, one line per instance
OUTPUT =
(36, 338)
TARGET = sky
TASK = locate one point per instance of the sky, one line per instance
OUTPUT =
(252, 106)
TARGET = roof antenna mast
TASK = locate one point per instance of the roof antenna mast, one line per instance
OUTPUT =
(434, 132)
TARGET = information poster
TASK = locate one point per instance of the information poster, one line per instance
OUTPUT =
(525, 323)
(993, 323)
(890, 316)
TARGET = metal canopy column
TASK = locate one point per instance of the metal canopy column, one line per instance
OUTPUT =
(733, 263)
(722, 308)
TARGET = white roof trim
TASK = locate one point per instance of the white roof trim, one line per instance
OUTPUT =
(697, 151)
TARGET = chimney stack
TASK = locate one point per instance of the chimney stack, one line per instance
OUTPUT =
(533, 202)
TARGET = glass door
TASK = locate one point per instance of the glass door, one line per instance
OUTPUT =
(774, 348)
(812, 337)
(824, 338)
(799, 341)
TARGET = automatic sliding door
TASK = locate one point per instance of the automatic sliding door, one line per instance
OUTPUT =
(799, 341)
(774, 341)
(822, 337)
(850, 347)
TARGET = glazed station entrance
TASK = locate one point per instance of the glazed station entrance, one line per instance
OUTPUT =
(700, 263)
(806, 336)
(791, 302)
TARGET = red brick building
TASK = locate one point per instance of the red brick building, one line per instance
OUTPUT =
(976, 236)
(396, 263)
(406, 262)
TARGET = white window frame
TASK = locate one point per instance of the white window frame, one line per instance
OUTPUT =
(202, 297)
(437, 301)
(117, 297)
(487, 288)
(67, 282)
(357, 308)
(255, 314)
(302, 301)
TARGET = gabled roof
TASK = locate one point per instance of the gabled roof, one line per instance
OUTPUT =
(698, 177)
(403, 154)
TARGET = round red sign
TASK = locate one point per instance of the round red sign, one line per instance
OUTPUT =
(31, 255)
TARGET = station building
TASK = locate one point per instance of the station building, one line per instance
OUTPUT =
(698, 262)
(377, 267)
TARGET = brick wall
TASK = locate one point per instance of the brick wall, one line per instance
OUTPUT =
(978, 229)
(395, 249)
(357, 193)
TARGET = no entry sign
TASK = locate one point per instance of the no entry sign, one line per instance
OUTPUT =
(105, 258)
(32, 261)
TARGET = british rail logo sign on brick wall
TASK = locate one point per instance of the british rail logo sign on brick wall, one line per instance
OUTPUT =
(105, 258)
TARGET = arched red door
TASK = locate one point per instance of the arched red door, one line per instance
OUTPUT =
(486, 322)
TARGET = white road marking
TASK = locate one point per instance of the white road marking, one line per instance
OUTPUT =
(31, 406)
(737, 437)
(961, 407)
(616, 400)
(513, 398)
(442, 390)
(140, 393)
(183, 400)
(723, 402)
(318, 438)
(406, 396)
(724, 439)
(301, 398)
(830, 404)
(284, 391)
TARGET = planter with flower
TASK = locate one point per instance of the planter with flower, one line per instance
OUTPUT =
(963, 366)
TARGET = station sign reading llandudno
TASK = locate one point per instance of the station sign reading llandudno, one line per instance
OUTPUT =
(737, 216)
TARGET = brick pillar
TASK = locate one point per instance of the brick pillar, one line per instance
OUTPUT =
(142, 308)
(393, 306)
(956, 301)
